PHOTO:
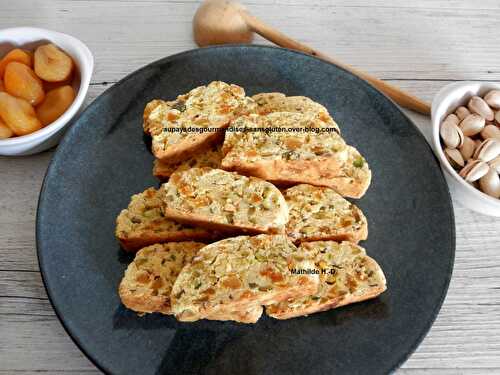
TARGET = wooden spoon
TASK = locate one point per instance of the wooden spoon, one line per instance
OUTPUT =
(225, 21)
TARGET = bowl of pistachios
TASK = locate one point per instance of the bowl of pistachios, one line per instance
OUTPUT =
(466, 139)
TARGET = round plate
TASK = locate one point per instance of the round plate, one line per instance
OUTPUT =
(104, 159)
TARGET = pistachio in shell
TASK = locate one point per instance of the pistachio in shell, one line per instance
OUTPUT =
(462, 112)
(474, 170)
(492, 98)
(454, 157)
(472, 124)
(488, 150)
(468, 147)
(479, 106)
(490, 131)
(453, 118)
(490, 183)
(451, 134)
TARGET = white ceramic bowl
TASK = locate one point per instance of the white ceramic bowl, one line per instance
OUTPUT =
(444, 103)
(30, 38)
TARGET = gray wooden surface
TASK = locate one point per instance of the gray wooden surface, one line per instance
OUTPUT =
(420, 45)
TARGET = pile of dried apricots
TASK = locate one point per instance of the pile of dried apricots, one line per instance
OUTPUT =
(35, 89)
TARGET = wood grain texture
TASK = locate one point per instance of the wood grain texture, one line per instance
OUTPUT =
(420, 46)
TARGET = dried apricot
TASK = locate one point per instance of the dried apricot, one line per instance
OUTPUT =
(18, 114)
(2, 88)
(19, 55)
(52, 64)
(56, 102)
(22, 82)
(5, 131)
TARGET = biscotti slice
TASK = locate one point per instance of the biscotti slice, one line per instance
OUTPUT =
(347, 275)
(284, 147)
(269, 102)
(319, 213)
(210, 158)
(143, 224)
(292, 148)
(148, 280)
(182, 127)
(239, 273)
(220, 200)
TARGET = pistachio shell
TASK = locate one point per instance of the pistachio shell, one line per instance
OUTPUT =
(488, 150)
(454, 157)
(472, 124)
(495, 164)
(462, 112)
(479, 106)
(467, 149)
(451, 134)
(490, 131)
(490, 183)
(493, 99)
(497, 117)
(474, 170)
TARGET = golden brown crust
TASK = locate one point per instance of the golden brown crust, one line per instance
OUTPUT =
(321, 214)
(143, 224)
(347, 275)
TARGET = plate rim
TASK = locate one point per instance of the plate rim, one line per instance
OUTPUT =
(60, 148)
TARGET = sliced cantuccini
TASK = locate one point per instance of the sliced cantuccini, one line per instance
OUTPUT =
(210, 158)
(291, 148)
(216, 199)
(143, 224)
(269, 102)
(319, 213)
(180, 128)
(241, 273)
(347, 275)
(148, 281)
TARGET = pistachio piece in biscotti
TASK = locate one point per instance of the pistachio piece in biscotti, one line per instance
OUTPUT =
(347, 275)
(240, 273)
(182, 127)
(319, 213)
(226, 201)
(143, 224)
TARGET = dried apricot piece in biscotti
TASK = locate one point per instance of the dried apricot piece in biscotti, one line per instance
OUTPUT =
(18, 114)
(5, 131)
(52, 64)
(21, 81)
(19, 55)
(56, 102)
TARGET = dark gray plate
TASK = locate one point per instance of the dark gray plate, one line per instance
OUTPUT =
(103, 160)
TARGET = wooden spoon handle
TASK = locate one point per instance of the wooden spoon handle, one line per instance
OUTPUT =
(399, 96)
